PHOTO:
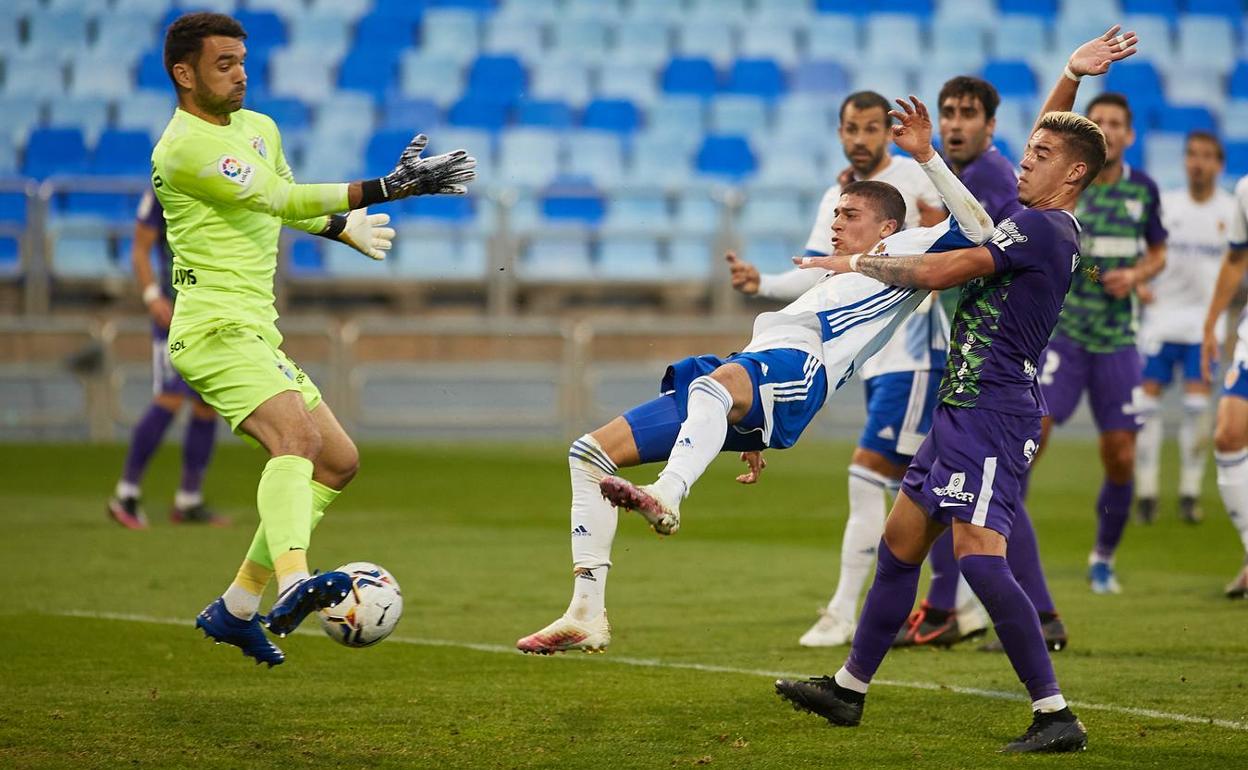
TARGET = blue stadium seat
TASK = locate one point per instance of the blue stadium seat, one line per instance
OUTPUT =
(558, 79)
(729, 157)
(1235, 120)
(835, 37)
(439, 255)
(1167, 8)
(714, 40)
(56, 34)
(383, 150)
(124, 35)
(331, 36)
(55, 151)
(737, 114)
(410, 115)
(757, 77)
(1231, 10)
(122, 153)
(821, 76)
(630, 258)
(408, 10)
(616, 115)
(789, 167)
(450, 33)
(920, 8)
(383, 30)
(650, 11)
(557, 258)
(144, 110)
(1181, 120)
(291, 115)
(634, 82)
(12, 208)
(499, 79)
(1206, 42)
(111, 207)
(1141, 84)
(28, 75)
(435, 78)
(265, 29)
(83, 255)
(527, 157)
(543, 113)
(301, 74)
(304, 257)
(690, 258)
(99, 75)
(637, 213)
(777, 211)
(678, 115)
(584, 38)
(1045, 8)
(473, 112)
(803, 121)
(449, 210)
(150, 72)
(894, 39)
(1017, 32)
(1237, 158)
(369, 70)
(1012, 78)
(641, 42)
(595, 155)
(516, 37)
(772, 37)
(690, 76)
(664, 163)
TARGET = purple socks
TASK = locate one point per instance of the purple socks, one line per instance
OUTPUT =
(1113, 506)
(888, 605)
(197, 447)
(1023, 554)
(146, 438)
(1015, 620)
(943, 592)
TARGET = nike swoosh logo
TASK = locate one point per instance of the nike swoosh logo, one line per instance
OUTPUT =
(948, 504)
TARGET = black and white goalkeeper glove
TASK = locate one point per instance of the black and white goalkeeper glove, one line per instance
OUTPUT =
(446, 174)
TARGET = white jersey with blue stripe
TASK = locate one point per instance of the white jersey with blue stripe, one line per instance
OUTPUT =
(846, 318)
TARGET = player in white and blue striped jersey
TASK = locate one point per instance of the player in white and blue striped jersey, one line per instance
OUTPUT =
(762, 397)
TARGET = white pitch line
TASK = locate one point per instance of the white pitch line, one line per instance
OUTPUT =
(500, 649)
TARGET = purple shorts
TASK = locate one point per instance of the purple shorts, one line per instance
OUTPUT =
(971, 466)
(165, 379)
(1111, 379)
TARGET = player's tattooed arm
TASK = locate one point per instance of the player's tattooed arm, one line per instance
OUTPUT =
(934, 271)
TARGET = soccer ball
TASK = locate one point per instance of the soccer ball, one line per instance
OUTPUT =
(370, 612)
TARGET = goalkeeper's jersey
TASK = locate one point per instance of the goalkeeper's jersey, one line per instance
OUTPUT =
(226, 192)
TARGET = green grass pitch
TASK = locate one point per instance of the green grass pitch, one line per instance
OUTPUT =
(100, 667)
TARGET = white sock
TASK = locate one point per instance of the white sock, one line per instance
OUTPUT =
(241, 603)
(183, 499)
(1148, 447)
(1192, 432)
(125, 489)
(1049, 705)
(700, 439)
(593, 527)
(850, 682)
(863, 531)
(1233, 484)
(290, 580)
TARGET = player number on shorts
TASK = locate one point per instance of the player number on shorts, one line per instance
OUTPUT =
(1051, 362)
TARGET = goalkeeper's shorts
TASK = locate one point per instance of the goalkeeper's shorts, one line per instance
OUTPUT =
(236, 367)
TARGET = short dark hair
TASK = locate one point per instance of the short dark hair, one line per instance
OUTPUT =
(1206, 136)
(1113, 99)
(883, 197)
(976, 88)
(185, 36)
(1084, 140)
(865, 100)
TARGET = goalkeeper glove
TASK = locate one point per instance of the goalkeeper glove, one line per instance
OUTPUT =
(446, 174)
(366, 233)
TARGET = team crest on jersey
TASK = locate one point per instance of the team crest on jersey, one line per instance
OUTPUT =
(257, 144)
(1135, 208)
(235, 170)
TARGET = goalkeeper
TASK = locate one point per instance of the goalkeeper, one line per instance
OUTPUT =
(221, 175)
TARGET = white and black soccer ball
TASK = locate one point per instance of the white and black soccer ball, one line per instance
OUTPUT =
(370, 612)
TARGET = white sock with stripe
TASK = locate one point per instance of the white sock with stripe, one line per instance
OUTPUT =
(1147, 447)
(1233, 484)
(700, 439)
(863, 530)
(1192, 431)
(593, 527)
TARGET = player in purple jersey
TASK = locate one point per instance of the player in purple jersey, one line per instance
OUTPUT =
(170, 393)
(1094, 349)
(968, 107)
(986, 430)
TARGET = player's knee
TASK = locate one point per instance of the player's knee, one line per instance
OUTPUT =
(346, 464)
(1118, 457)
(1229, 437)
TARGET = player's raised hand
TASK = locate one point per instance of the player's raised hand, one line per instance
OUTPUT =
(1095, 56)
(446, 174)
(913, 130)
(744, 275)
(367, 233)
(756, 463)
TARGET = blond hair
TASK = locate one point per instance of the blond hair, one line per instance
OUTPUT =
(1084, 140)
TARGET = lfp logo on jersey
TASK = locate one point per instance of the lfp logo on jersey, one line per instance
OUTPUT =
(234, 170)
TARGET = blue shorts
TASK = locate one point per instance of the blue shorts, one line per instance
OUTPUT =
(1236, 381)
(972, 465)
(1160, 366)
(789, 387)
(899, 413)
(165, 379)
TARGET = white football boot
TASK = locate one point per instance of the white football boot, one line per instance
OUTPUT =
(662, 514)
(831, 630)
(568, 633)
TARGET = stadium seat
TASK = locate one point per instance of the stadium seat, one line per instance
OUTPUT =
(756, 77)
(834, 37)
(595, 155)
(55, 151)
(13, 208)
(345, 10)
(265, 29)
(1070, 32)
(635, 82)
(1231, 10)
(1012, 78)
(342, 262)
(738, 114)
(439, 255)
(662, 160)
(143, 110)
(727, 157)
(617, 115)
(1237, 158)
(1181, 120)
(690, 258)
(677, 115)
(124, 35)
(1019, 32)
(383, 150)
(450, 34)
(557, 258)
(798, 11)
(583, 38)
(696, 214)
(436, 78)
(320, 33)
(802, 120)
(773, 252)
(552, 114)
(894, 39)
(695, 77)
(304, 257)
(104, 206)
(473, 112)
(411, 115)
(8, 156)
(776, 211)
(529, 10)
(1159, 34)
(96, 75)
(36, 77)
(527, 157)
(771, 37)
(791, 168)
(820, 76)
(641, 42)
(1207, 42)
(1045, 8)
(479, 144)
(1235, 120)
(498, 79)
(291, 115)
(439, 210)
(1168, 9)
(381, 30)
(83, 256)
(122, 153)
(56, 34)
(519, 38)
(713, 40)
(637, 213)
(650, 11)
(300, 74)
(369, 70)
(630, 258)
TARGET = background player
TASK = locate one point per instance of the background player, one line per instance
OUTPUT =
(1230, 437)
(170, 391)
(761, 398)
(1197, 219)
(222, 177)
(900, 381)
(1094, 349)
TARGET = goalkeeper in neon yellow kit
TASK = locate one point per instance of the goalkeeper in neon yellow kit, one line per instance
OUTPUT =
(221, 175)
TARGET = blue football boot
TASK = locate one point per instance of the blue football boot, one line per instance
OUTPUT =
(222, 627)
(308, 595)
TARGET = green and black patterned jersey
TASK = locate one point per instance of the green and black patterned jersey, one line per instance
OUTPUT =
(1120, 220)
